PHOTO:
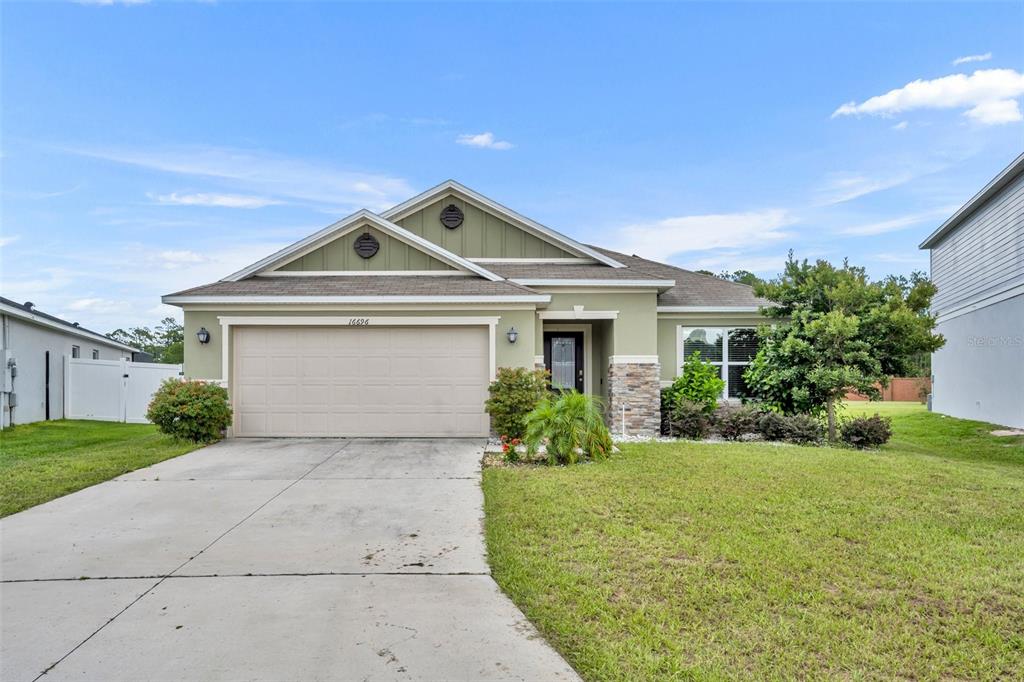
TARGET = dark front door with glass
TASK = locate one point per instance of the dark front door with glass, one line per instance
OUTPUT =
(563, 357)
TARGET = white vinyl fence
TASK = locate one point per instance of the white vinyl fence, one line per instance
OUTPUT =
(112, 390)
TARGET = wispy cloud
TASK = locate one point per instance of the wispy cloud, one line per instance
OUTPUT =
(108, 3)
(265, 174)
(8, 240)
(899, 223)
(218, 200)
(844, 186)
(483, 140)
(972, 58)
(95, 305)
(988, 97)
(662, 239)
(902, 125)
(730, 261)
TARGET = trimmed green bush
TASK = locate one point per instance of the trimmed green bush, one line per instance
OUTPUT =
(866, 432)
(190, 410)
(701, 383)
(689, 419)
(513, 394)
(803, 429)
(569, 426)
(732, 422)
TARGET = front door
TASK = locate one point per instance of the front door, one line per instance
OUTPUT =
(563, 357)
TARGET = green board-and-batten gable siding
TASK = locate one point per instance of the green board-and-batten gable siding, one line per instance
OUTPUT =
(481, 235)
(340, 255)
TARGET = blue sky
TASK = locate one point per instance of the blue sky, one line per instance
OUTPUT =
(154, 146)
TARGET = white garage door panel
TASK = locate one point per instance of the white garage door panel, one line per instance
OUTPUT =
(369, 381)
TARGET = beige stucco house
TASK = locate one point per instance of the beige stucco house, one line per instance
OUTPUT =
(393, 324)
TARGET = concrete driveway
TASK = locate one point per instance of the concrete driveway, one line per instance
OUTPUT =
(268, 560)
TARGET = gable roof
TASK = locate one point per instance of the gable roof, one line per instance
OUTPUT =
(1005, 177)
(335, 230)
(26, 311)
(451, 186)
(695, 290)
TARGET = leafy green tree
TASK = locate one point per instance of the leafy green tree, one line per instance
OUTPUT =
(741, 277)
(837, 330)
(166, 342)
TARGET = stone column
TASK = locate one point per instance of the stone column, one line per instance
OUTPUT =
(634, 398)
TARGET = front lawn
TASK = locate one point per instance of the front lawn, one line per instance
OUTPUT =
(689, 560)
(45, 460)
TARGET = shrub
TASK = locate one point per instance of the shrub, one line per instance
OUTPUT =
(773, 426)
(733, 422)
(569, 426)
(509, 448)
(701, 383)
(866, 432)
(689, 419)
(803, 429)
(190, 410)
(513, 394)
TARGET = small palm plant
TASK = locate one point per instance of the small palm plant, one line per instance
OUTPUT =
(569, 426)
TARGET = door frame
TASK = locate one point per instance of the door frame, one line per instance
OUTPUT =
(588, 356)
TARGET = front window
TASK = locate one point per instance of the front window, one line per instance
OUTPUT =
(731, 350)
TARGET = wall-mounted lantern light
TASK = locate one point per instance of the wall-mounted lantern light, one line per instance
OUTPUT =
(512, 335)
(203, 335)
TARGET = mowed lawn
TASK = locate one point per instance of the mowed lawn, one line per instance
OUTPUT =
(713, 561)
(41, 461)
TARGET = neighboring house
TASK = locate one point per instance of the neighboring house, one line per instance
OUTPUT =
(394, 324)
(977, 263)
(32, 358)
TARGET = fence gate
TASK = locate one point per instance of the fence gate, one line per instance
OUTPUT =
(112, 390)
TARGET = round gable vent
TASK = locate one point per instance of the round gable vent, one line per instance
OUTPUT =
(452, 216)
(366, 245)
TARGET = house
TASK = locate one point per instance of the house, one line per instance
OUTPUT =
(393, 324)
(977, 263)
(32, 347)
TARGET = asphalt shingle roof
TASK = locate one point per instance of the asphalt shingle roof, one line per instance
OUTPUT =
(370, 285)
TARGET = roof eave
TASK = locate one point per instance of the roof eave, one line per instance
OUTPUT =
(28, 316)
(997, 183)
(384, 300)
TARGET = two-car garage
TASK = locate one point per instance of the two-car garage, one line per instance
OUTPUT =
(360, 380)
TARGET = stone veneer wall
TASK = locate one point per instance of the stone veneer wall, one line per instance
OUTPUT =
(637, 388)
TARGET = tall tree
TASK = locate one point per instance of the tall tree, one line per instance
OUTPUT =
(837, 330)
(166, 342)
(741, 277)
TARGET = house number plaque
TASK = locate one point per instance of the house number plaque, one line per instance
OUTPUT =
(359, 321)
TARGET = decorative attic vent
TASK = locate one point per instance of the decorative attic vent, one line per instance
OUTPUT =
(366, 245)
(452, 216)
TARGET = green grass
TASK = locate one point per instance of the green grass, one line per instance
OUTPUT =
(45, 460)
(715, 561)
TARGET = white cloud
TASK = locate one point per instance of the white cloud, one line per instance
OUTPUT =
(95, 305)
(218, 200)
(845, 186)
(900, 223)
(266, 174)
(902, 125)
(483, 140)
(659, 240)
(108, 3)
(988, 95)
(7, 241)
(972, 58)
(177, 259)
(730, 261)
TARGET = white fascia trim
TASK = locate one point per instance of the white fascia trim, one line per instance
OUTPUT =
(349, 321)
(708, 309)
(406, 207)
(231, 300)
(633, 360)
(613, 283)
(534, 261)
(981, 303)
(366, 273)
(346, 225)
(578, 314)
(66, 328)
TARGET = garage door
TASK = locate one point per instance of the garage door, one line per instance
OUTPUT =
(360, 381)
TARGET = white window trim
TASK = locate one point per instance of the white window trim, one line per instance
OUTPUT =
(724, 363)
(588, 349)
(578, 313)
(229, 321)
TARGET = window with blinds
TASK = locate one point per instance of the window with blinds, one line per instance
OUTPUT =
(729, 349)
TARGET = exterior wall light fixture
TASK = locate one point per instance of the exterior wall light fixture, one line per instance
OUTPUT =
(512, 335)
(203, 335)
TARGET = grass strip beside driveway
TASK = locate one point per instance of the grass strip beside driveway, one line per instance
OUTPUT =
(46, 460)
(710, 561)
